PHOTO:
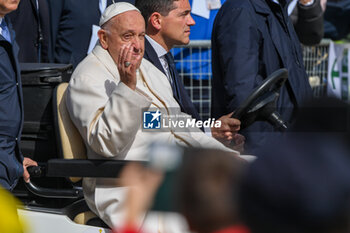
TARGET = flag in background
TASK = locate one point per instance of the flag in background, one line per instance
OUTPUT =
(338, 72)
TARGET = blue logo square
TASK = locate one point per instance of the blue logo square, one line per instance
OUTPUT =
(152, 119)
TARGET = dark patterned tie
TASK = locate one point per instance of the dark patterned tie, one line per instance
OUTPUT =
(179, 91)
(174, 78)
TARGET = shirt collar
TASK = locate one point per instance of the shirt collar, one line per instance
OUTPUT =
(1, 19)
(160, 51)
(291, 6)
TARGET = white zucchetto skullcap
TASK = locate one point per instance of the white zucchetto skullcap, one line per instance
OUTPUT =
(116, 9)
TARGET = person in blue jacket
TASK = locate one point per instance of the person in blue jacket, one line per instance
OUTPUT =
(251, 39)
(12, 163)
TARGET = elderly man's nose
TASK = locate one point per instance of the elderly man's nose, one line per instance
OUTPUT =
(137, 45)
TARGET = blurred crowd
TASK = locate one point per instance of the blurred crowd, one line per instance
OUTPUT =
(299, 186)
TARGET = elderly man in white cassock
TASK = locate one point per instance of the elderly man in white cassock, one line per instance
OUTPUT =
(106, 96)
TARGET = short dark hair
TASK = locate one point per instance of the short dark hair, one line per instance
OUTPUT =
(148, 7)
(208, 184)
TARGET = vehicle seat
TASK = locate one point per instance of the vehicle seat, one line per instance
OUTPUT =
(70, 143)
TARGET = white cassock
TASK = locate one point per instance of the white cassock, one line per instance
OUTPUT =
(108, 115)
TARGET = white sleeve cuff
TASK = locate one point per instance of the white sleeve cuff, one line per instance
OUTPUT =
(207, 131)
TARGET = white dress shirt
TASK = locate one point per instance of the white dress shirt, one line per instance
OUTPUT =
(0, 27)
(160, 51)
(102, 5)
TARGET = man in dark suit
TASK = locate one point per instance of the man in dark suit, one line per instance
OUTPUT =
(250, 40)
(12, 163)
(168, 24)
(31, 23)
(71, 27)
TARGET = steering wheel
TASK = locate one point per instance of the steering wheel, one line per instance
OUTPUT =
(261, 104)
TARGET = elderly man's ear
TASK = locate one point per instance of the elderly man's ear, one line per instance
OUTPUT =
(102, 35)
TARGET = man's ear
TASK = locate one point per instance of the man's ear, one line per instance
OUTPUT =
(102, 35)
(155, 20)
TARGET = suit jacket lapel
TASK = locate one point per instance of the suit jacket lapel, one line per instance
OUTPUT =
(273, 28)
(13, 50)
(185, 103)
(151, 55)
(274, 33)
(262, 8)
(34, 8)
(158, 84)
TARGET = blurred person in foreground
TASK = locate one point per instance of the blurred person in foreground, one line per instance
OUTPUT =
(9, 220)
(168, 24)
(106, 97)
(12, 163)
(251, 39)
(205, 191)
(303, 184)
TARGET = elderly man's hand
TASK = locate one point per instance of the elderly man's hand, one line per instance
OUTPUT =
(227, 133)
(27, 162)
(127, 65)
